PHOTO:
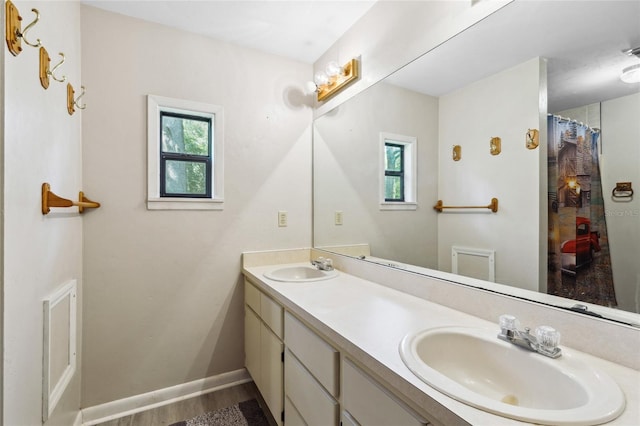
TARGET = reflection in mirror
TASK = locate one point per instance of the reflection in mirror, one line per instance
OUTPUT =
(498, 79)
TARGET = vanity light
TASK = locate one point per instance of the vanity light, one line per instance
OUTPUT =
(631, 74)
(333, 79)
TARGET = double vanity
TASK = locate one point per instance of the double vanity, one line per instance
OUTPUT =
(327, 345)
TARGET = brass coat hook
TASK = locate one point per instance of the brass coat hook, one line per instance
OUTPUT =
(77, 100)
(49, 199)
(13, 29)
(50, 73)
(38, 43)
(72, 101)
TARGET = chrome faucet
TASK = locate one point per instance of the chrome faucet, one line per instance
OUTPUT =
(323, 264)
(544, 341)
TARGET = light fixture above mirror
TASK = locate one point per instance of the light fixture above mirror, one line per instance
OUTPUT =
(333, 79)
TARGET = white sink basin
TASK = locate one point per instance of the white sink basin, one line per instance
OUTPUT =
(476, 368)
(299, 274)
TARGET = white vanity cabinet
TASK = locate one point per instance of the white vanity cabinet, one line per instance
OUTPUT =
(311, 376)
(366, 402)
(263, 333)
(301, 374)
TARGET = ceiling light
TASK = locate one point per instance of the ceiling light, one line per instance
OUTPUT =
(631, 74)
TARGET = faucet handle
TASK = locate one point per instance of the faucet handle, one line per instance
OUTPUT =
(509, 322)
(547, 337)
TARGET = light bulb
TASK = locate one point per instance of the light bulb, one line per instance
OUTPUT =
(310, 88)
(321, 78)
(333, 69)
(631, 74)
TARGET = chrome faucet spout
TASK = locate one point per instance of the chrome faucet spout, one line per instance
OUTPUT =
(545, 341)
(323, 264)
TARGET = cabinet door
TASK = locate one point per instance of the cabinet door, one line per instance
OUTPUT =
(272, 370)
(252, 325)
(370, 404)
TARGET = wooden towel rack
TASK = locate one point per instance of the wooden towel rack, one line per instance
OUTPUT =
(49, 199)
(493, 206)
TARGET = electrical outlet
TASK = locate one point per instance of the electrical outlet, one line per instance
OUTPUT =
(282, 218)
(338, 218)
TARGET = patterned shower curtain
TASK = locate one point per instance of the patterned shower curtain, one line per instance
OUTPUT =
(579, 261)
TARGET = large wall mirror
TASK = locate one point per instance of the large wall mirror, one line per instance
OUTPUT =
(498, 79)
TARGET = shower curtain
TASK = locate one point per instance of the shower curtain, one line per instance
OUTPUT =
(579, 262)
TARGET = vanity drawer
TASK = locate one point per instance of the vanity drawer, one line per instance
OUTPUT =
(271, 314)
(317, 355)
(291, 415)
(370, 404)
(252, 296)
(312, 402)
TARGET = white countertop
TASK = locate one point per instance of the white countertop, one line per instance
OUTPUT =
(367, 321)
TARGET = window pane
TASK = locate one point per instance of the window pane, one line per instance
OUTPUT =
(393, 188)
(185, 135)
(185, 177)
(393, 158)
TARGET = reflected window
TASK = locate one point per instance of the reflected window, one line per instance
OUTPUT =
(393, 172)
(398, 172)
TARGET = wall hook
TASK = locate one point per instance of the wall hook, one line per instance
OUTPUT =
(76, 102)
(13, 29)
(38, 43)
(50, 73)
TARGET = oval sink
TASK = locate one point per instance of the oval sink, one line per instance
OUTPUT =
(299, 274)
(476, 368)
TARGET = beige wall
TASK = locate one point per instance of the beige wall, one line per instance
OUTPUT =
(347, 171)
(41, 144)
(619, 163)
(505, 105)
(162, 300)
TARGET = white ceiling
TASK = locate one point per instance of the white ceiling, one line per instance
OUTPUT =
(582, 40)
(297, 29)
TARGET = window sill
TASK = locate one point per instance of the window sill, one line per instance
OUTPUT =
(399, 206)
(184, 204)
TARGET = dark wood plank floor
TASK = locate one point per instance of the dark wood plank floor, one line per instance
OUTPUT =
(188, 408)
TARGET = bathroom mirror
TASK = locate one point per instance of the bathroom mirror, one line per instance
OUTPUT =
(525, 60)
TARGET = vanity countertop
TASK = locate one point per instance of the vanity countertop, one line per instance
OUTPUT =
(367, 321)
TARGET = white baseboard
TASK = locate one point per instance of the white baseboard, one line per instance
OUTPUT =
(137, 403)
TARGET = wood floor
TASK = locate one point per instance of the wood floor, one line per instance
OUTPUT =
(183, 410)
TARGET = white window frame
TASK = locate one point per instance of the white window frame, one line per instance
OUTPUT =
(410, 144)
(156, 104)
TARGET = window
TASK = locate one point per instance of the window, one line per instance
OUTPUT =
(393, 172)
(398, 172)
(185, 155)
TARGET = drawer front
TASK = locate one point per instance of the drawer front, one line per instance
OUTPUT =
(271, 314)
(317, 355)
(369, 404)
(291, 416)
(252, 296)
(347, 420)
(313, 403)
